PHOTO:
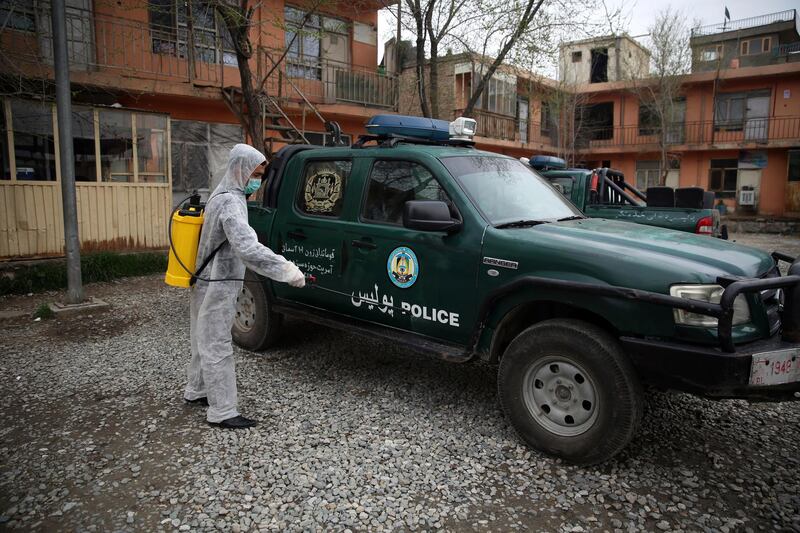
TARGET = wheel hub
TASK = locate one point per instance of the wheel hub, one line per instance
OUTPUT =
(245, 310)
(561, 396)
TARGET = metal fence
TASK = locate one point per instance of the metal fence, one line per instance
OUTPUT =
(325, 81)
(751, 130)
(742, 24)
(98, 42)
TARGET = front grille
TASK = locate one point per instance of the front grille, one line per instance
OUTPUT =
(772, 301)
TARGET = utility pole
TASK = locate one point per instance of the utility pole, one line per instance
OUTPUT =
(66, 159)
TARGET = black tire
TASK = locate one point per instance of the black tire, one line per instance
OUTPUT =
(256, 326)
(613, 412)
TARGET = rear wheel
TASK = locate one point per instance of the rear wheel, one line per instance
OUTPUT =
(255, 325)
(569, 391)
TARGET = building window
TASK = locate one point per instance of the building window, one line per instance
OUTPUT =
(723, 177)
(648, 120)
(648, 174)
(596, 121)
(151, 148)
(761, 45)
(116, 146)
(302, 38)
(34, 142)
(323, 187)
(392, 184)
(83, 145)
(546, 119)
(17, 15)
(199, 154)
(794, 165)
(212, 43)
(501, 96)
(730, 111)
(577, 57)
(711, 53)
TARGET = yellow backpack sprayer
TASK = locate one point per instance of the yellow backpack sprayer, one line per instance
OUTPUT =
(185, 226)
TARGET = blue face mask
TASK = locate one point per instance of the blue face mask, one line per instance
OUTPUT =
(252, 186)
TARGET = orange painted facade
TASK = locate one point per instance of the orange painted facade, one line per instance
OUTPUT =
(760, 146)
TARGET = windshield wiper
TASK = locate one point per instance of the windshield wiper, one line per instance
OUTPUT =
(521, 224)
(573, 217)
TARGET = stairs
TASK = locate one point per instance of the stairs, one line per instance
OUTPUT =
(279, 129)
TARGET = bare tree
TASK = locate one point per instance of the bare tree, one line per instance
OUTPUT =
(565, 106)
(238, 20)
(660, 94)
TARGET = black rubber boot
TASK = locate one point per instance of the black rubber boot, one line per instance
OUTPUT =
(237, 422)
(199, 401)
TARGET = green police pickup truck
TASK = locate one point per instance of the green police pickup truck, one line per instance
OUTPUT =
(604, 193)
(468, 255)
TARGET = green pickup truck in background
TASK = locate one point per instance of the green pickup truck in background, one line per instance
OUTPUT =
(467, 255)
(604, 193)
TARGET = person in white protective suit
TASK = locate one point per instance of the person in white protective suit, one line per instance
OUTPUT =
(212, 377)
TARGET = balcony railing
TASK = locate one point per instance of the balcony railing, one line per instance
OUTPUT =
(743, 24)
(786, 49)
(324, 81)
(97, 43)
(753, 130)
(493, 125)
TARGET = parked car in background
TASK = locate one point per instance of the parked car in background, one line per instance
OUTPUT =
(604, 193)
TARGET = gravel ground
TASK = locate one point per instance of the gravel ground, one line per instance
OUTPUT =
(355, 434)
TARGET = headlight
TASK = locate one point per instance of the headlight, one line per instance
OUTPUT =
(711, 294)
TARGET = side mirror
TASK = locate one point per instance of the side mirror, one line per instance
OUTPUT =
(429, 215)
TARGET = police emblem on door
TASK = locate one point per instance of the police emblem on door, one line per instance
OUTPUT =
(403, 267)
(322, 191)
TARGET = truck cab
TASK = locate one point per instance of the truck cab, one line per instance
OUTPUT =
(428, 243)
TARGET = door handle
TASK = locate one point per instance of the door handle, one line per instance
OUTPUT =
(366, 245)
(296, 235)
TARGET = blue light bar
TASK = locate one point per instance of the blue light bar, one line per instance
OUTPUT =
(420, 127)
(547, 162)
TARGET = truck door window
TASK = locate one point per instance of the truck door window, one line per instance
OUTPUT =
(392, 184)
(323, 186)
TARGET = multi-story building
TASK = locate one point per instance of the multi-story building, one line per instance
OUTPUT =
(752, 42)
(733, 128)
(156, 105)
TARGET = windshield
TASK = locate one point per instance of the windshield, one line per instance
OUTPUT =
(505, 190)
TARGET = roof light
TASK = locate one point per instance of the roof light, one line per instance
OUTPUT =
(463, 128)
(420, 127)
(547, 162)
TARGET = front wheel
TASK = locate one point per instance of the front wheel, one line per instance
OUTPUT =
(569, 391)
(255, 325)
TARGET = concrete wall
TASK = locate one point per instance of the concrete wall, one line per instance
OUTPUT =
(625, 60)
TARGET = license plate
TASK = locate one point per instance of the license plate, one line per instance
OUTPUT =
(774, 368)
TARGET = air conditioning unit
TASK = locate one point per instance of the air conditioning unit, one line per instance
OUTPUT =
(747, 197)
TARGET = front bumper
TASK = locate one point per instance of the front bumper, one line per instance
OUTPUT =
(708, 372)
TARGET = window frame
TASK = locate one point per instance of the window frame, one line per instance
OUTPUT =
(365, 192)
(301, 185)
(718, 53)
(722, 192)
(177, 33)
(577, 57)
(95, 110)
(744, 47)
(790, 154)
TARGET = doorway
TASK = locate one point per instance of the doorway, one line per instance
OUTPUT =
(523, 111)
(599, 72)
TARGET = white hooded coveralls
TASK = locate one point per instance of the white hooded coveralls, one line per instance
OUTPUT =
(211, 371)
